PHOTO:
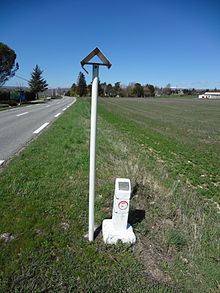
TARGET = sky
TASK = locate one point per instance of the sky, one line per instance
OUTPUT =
(151, 42)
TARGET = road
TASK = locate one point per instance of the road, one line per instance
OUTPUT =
(20, 125)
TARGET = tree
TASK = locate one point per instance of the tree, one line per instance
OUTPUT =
(117, 89)
(89, 90)
(7, 63)
(158, 91)
(73, 90)
(100, 89)
(138, 90)
(103, 90)
(109, 90)
(167, 90)
(149, 90)
(81, 90)
(37, 83)
(130, 90)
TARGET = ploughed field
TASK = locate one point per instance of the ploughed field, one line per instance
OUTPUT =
(184, 134)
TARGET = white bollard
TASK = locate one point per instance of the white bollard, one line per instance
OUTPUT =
(121, 203)
(118, 228)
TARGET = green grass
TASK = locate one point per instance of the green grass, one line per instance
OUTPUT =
(6, 107)
(184, 134)
(44, 210)
(177, 238)
(44, 206)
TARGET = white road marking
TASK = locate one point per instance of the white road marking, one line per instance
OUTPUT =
(57, 115)
(41, 128)
(58, 103)
(22, 114)
(1, 162)
(64, 109)
(47, 106)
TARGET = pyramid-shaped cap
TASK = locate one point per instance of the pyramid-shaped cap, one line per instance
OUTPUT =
(101, 56)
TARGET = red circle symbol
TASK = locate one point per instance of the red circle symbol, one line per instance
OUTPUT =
(123, 205)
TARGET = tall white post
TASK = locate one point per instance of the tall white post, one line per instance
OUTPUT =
(92, 170)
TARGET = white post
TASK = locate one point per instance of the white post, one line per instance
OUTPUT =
(118, 228)
(93, 150)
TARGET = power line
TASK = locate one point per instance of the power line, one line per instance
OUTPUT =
(21, 77)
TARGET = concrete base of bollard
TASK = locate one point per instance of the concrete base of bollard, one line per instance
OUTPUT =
(111, 235)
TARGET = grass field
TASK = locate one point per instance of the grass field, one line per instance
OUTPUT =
(44, 201)
(183, 133)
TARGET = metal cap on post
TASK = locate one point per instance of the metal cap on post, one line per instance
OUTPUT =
(96, 51)
(92, 173)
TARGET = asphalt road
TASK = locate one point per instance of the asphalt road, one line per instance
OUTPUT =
(20, 125)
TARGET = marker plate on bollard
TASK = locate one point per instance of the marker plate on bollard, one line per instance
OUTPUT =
(123, 205)
(123, 186)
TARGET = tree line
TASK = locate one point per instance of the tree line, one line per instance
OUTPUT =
(80, 89)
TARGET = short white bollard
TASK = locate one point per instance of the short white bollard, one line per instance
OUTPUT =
(118, 228)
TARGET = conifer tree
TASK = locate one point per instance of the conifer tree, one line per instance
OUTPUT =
(37, 83)
(82, 87)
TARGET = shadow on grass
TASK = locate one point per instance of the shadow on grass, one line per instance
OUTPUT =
(136, 216)
(97, 231)
(134, 190)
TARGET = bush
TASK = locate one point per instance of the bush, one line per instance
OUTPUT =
(4, 96)
(12, 98)
(29, 96)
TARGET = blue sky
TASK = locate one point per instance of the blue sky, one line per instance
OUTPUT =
(156, 42)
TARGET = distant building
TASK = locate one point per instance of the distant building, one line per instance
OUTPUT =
(210, 95)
